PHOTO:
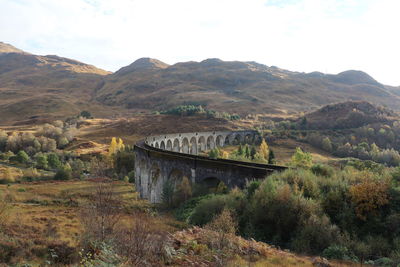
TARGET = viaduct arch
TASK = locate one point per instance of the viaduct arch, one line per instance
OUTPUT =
(171, 157)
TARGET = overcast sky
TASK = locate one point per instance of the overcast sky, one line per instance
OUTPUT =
(299, 35)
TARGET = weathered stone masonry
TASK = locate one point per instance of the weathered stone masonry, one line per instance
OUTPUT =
(173, 156)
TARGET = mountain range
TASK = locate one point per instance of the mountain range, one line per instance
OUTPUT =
(34, 87)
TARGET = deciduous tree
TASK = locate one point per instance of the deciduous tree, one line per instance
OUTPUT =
(264, 150)
(301, 159)
(368, 196)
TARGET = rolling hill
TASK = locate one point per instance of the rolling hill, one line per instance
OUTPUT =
(349, 114)
(238, 87)
(40, 87)
(34, 86)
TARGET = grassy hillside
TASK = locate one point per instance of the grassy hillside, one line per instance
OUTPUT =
(237, 87)
(45, 87)
(38, 88)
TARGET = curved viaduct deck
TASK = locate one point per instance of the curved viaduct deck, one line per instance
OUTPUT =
(155, 163)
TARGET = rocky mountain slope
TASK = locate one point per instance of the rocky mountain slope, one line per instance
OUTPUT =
(43, 86)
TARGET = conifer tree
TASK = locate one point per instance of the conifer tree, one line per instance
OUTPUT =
(271, 157)
(247, 151)
(240, 150)
(253, 151)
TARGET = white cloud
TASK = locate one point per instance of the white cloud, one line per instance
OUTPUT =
(303, 35)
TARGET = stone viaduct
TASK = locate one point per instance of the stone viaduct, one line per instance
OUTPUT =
(172, 156)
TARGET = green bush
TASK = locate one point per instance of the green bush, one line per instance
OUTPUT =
(277, 213)
(41, 161)
(86, 114)
(184, 212)
(206, 209)
(310, 213)
(63, 174)
(386, 262)
(131, 176)
(315, 235)
(322, 170)
(251, 187)
(338, 252)
(54, 161)
(305, 180)
(22, 157)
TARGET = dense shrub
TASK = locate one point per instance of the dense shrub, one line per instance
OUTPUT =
(315, 235)
(53, 161)
(338, 252)
(41, 161)
(353, 213)
(184, 212)
(322, 170)
(48, 138)
(22, 157)
(206, 209)
(251, 187)
(63, 173)
(191, 110)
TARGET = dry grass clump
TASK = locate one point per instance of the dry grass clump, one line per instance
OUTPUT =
(140, 242)
(197, 247)
(9, 174)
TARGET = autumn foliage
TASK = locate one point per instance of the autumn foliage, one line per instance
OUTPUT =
(368, 196)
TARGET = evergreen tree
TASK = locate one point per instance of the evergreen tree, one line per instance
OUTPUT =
(247, 151)
(3, 140)
(271, 157)
(253, 152)
(86, 114)
(240, 151)
(303, 123)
